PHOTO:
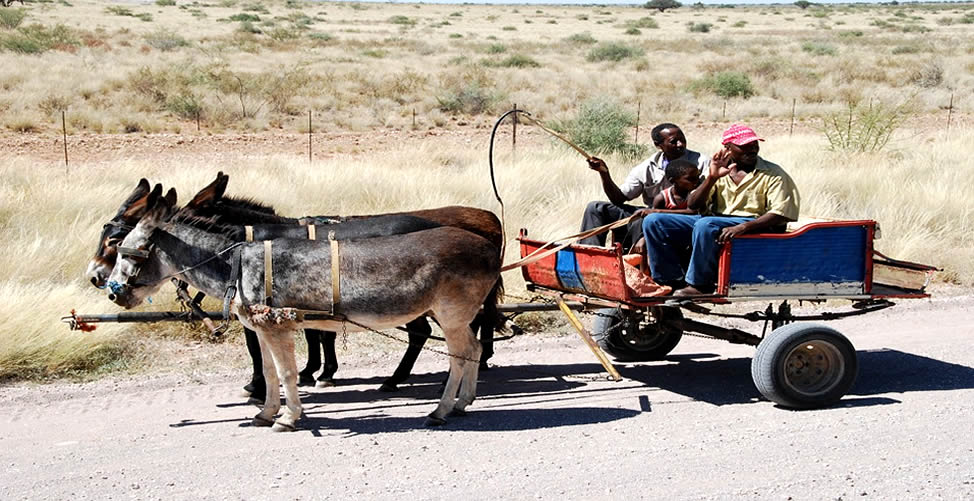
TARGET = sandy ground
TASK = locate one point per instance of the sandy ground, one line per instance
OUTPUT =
(547, 425)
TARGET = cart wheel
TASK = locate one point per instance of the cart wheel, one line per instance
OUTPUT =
(804, 366)
(626, 335)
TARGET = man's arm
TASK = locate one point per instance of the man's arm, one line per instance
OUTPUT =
(608, 185)
(720, 166)
(762, 222)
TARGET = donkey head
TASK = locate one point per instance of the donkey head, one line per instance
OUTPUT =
(100, 265)
(138, 272)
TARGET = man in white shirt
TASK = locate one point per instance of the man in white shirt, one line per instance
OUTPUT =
(645, 179)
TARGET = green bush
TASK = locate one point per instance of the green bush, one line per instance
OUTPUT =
(613, 52)
(633, 31)
(644, 22)
(864, 128)
(496, 48)
(581, 38)
(819, 49)
(471, 99)
(37, 38)
(165, 40)
(601, 126)
(725, 84)
(243, 16)
(402, 20)
(515, 61)
(11, 18)
(699, 27)
(185, 106)
(165, 3)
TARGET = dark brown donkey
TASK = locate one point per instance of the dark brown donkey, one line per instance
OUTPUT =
(285, 285)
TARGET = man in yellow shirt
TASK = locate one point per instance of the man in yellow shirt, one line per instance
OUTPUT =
(743, 193)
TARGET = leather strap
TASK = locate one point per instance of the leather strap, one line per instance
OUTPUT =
(312, 232)
(335, 277)
(268, 272)
(232, 284)
(249, 233)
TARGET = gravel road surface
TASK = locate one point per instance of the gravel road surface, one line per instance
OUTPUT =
(546, 426)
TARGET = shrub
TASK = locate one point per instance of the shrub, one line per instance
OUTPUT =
(496, 48)
(517, 61)
(471, 99)
(699, 27)
(725, 84)
(601, 126)
(402, 20)
(819, 49)
(243, 16)
(662, 5)
(37, 38)
(320, 38)
(739, 24)
(633, 31)
(863, 128)
(186, 106)
(165, 40)
(928, 75)
(11, 18)
(509, 28)
(905, 49)
(644, 22)
(165, 3)
(613, 52)
(581, 38)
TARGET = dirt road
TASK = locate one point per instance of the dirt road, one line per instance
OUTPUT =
(690, 427)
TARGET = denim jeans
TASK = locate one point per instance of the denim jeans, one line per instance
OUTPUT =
(669, 235)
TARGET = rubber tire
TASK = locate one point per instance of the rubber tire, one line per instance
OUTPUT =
(608, 332)
(768, 367)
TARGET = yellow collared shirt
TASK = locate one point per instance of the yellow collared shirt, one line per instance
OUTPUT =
(767, 188)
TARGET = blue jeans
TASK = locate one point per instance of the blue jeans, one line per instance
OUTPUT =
(669, 235)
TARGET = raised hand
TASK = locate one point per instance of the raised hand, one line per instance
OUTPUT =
(720, 164)
(598, 165)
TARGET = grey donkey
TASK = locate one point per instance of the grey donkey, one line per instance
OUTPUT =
(444, 272)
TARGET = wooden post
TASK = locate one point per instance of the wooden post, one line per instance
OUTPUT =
(197, 121)
(723, 114)
(589, 341)
(414, 118)
(513, 134)
(64, 137)
(792, 127)
(309, 136)
(950, 109)
(639, 106)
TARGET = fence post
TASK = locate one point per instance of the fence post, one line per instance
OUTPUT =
(950, 109)
(414, 118)
(639, 106)
(64, 136)
(792, 127)
(309, 136)
(197, 121)
(513, 134)
(723, 113)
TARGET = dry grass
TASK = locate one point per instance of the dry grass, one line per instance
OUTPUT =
(261, 66)
(49, 221)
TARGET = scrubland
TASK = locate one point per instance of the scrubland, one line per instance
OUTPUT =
(259, 66)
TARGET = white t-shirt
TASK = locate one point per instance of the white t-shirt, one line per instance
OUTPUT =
(645, 178)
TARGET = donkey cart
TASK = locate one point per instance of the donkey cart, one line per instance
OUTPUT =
(797, 365)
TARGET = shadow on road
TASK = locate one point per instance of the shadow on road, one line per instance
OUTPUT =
(702, 377)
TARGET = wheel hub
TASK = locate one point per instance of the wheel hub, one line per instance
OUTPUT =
(813, 367)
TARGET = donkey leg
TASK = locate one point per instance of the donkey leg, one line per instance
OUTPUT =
(281, 347)
(330, 367)
(447, 401)
(272, 398)
(307, 375)
(471, 367)
(419, 331)
(257, 388)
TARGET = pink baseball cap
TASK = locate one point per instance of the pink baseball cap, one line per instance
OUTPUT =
(739, 135)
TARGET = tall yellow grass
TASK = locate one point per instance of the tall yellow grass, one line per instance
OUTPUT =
(49, 220)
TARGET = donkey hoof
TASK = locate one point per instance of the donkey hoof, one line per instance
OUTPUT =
(325, 383)
(305, 380)
(432, 420)
(280, 427)
(389, 387)
(261, 422)
(258, 401)
(458, 412)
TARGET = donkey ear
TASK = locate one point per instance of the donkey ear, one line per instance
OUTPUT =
(140, 191)
(171, 197)
(210, 194)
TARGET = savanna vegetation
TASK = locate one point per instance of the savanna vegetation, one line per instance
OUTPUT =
(870, 84)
